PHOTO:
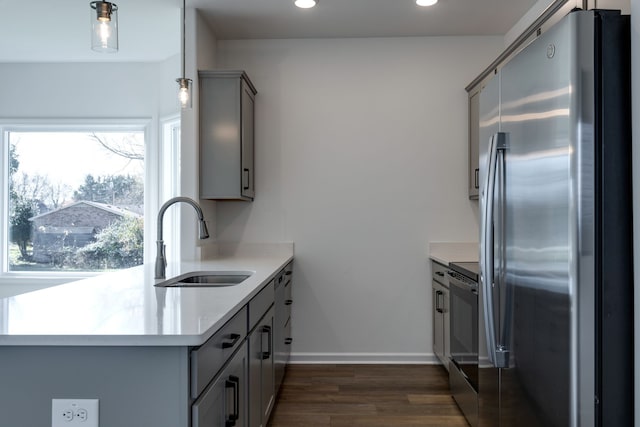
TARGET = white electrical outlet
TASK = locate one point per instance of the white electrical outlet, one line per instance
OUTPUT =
(75, 412)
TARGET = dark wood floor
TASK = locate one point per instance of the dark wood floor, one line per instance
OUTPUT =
(366, 395)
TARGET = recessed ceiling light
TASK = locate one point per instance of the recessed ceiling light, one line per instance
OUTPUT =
(306, 4)
(426, 2)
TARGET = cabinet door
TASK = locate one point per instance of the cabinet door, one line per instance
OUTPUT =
(280, 321)
(261, 371)
(446, 338)
(248, 175)
(223, 403)
(474, 129)
(226, 135)
(438, 320)
(282, 324)
(267, 381)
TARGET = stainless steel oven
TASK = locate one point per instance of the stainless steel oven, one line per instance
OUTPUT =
(463, 367)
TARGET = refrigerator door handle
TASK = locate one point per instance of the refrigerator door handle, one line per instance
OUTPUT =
(497, 142)
(501, 346)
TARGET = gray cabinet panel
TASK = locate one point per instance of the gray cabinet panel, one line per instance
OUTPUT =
(209, 358)
(136, 386)
(260, 303)
(440, 299)
(226, 135)
(224, 402)
(282, 331)
(474, 139)
(261, 371)
(247, 120)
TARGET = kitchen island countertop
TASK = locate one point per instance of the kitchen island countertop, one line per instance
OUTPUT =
(124, 308)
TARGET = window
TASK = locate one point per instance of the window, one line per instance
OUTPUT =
(75, 198)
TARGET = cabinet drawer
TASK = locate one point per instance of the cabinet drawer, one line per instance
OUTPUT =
(260, 304)
(439, 273)
(209, 358)
(284, 277)
(286, 300)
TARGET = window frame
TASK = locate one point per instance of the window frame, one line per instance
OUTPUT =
(43, 279)
(169, 181)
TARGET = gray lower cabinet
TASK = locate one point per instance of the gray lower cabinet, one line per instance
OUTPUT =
(226, 135)
(282, 327)
(224, 402)
(228, 381)
(441, 316)
(261, 355)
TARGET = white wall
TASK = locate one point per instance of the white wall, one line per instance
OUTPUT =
(361, 159)
(532, 14)
(78, 90)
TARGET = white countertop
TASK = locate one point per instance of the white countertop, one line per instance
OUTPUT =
(446, 252)
(124, 308)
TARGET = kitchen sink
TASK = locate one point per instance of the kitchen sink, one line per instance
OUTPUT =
(206, 279)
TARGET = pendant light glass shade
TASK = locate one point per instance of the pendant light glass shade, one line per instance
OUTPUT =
(305, 4)
(104, 26)
(184, 93)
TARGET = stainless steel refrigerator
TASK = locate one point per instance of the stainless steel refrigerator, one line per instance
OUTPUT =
(556, 291)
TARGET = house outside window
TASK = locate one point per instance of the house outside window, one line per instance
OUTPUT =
(75, 199)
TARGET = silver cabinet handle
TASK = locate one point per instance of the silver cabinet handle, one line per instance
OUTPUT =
(439, 308)
(266, 354)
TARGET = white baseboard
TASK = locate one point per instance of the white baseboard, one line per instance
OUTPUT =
(365, 358)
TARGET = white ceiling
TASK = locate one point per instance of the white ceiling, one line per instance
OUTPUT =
(241, 19)
(149, 30)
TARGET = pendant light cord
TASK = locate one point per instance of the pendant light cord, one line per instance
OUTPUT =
(184, 43)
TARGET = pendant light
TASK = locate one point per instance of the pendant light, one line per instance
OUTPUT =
(426, 2)
(305, 4)
(184, 84)
(104, 26)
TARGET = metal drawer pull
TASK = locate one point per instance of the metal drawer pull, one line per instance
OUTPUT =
(288, 341)
(439, 309)
(439, 273)
(247, 172)
(267, 354)
(234, 383)
(288, 302)
(234, 340)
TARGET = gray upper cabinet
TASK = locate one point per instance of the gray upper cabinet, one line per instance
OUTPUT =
(474, 128)
(226, 135)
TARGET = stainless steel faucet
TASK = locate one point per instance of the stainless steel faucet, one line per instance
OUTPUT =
(161, 260)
